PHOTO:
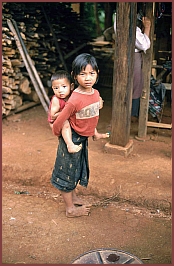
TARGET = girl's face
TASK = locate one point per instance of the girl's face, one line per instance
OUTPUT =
(62, 88)
(87, 78)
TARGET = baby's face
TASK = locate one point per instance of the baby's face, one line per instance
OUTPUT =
(61, 88)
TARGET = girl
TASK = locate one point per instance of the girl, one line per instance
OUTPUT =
(142, 43)
(82, 112)
(62, 88)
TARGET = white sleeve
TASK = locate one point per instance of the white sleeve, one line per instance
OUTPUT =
(142, 41)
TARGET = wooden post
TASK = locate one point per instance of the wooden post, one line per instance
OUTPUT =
(147, 64)
(123, 73)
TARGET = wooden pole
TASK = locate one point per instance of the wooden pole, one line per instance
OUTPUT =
(27, 65)
(31, 64)
(123, 73)
(147, 64)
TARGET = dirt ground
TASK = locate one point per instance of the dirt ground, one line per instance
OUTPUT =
(131, 196)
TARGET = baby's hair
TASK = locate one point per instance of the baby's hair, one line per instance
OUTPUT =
(80, 63)
(60, 74)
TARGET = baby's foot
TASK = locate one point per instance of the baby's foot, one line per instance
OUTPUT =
(78, 211)
(72, 148)
(101, 136)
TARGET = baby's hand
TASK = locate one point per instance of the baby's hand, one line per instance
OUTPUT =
(53, 117)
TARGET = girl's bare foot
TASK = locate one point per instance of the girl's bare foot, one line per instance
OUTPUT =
(80, 202)
(100, 136)
(72, 148)
(77, 211)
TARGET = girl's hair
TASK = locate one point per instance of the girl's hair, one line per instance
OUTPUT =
(60, 75)
(80, 63)
(139, 24)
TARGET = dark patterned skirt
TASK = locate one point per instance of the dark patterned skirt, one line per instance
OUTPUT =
(71, 169)
(138, 78)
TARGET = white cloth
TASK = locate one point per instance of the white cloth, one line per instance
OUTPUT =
(142, 41)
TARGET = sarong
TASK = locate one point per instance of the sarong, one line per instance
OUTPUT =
(71, 169)
(138, 77)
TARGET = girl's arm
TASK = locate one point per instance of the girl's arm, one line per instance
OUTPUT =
(142, 41)
(147, 24)
(100, 103)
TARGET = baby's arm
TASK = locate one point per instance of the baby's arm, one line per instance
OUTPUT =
(62, 117)
(55, 108)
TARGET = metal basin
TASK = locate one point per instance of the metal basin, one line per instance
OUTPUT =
(107, 256)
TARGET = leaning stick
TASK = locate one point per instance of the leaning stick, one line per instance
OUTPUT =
(31, 63)
(27, 65)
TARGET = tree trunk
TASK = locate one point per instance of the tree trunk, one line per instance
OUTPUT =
(108, 15)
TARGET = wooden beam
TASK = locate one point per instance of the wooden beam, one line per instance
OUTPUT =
(147, 63)
(123, 73)
(75, 50)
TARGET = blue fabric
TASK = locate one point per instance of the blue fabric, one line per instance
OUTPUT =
(135, 107)
(71, 168)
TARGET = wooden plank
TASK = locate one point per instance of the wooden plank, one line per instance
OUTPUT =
(157, 66)
(160, 125)
(99, 43)
(168, 52)
(160, 76)
(168, 86)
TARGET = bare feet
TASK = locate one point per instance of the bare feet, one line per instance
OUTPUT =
(100, 136)
(80, 202)
(72, 148)
(77, 211)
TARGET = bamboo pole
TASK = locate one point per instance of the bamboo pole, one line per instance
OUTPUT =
(25, 107)
(27, 65)
(31, 64)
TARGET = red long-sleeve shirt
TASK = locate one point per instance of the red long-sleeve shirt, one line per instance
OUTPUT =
(82, 112)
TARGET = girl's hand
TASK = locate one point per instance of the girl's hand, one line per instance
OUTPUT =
(146, 22)
(100, 102)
